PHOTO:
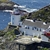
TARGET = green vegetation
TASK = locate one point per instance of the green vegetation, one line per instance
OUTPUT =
(22, 18)
(43, 14)
(44, 49)
(10, 35)
(1, 33)
(35, 36)
(4, 0)
(7, 41)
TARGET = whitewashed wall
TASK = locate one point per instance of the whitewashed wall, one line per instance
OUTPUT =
(15, 19)
(33, 32)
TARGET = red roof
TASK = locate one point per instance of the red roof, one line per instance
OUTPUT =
(47, 33)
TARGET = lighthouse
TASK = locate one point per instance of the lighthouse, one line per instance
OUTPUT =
(16, 16)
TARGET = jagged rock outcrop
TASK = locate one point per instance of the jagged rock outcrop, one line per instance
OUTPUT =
(7, 5)
(43, 14)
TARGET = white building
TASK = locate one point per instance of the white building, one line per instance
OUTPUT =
(29, 27)
(36, 28)
(15, 19)
(16, 16)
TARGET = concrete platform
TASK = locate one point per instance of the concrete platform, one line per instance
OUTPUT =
(28, 40)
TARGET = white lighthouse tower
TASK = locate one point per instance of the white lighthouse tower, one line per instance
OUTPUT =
(16, 16)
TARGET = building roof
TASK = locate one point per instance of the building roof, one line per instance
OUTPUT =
(39, 24)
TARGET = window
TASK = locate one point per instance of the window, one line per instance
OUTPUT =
(12, 22)
(13, 18)
(40, 29)
(37, 29)
(32, 28)
(19, 24)
(27, 27)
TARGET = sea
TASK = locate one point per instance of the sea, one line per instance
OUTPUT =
(5, 17)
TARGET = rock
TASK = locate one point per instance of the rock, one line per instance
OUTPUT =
(7, 5)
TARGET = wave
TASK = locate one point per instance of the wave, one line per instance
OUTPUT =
(7, 11)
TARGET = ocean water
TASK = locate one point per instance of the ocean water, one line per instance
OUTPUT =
(33, 3)
(4, 19)
(36, 4)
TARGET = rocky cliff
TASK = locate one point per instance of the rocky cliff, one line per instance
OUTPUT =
(42, 14)
(7, 5)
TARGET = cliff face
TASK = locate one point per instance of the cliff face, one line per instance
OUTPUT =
(7, 5)
(43, 14)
